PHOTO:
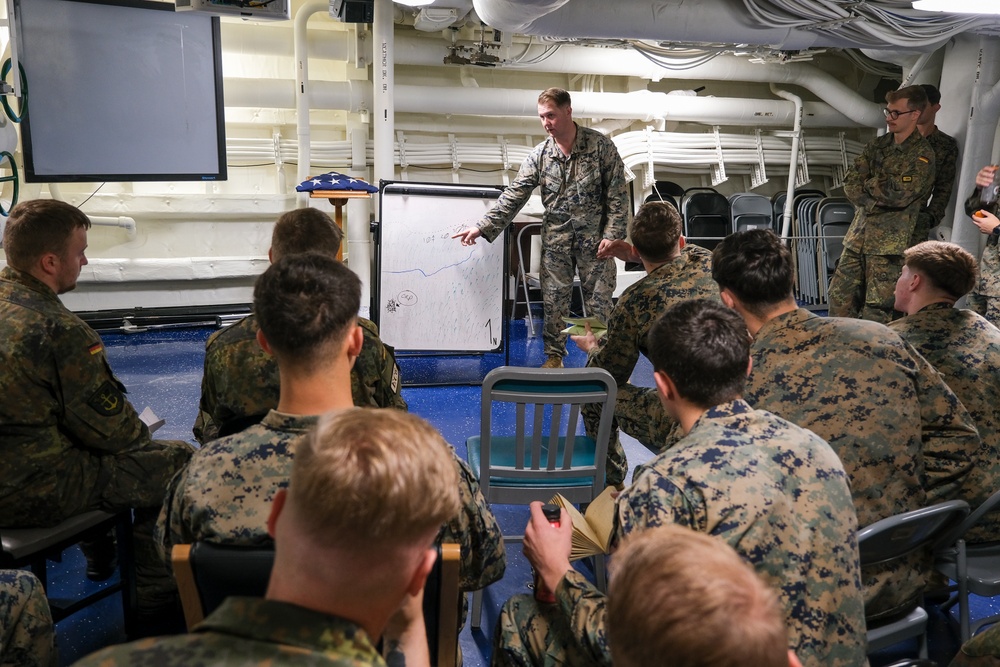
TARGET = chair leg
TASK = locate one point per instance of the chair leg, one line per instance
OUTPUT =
(923, 645)
(963, 593)
(126, 570)
(477, 608)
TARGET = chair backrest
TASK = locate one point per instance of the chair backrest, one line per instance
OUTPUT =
(834, 216)
(524, 248)
(661, 197)
(750, 211)
(950, 537)
(902, 534)
(707, 217)
(545, 442)
(209, 573)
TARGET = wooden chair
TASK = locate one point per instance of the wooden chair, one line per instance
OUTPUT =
(34, 547)
(209, 573)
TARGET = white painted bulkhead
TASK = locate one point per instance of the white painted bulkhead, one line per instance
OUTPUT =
(204, 243)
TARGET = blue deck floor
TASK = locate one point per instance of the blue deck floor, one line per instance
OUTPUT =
(162, 369)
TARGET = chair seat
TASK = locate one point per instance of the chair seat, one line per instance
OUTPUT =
(503, 454)
(981, 572)
(19, 543)
(881, 636)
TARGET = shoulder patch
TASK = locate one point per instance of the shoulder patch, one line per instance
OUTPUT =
(107, 401)
(923, 159)
(95, 348)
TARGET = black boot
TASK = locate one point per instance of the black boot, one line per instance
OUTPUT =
(102, 556)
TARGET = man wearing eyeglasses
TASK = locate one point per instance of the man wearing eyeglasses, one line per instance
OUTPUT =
(890, 181)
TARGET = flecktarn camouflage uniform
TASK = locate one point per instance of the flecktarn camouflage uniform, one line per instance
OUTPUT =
(240, 379)
(70, 440)
(27, 635)
(251, 631)
(774, 492)
(903, 436)
(224, 497)
(985, 296)
(945, 160)
(888, 185)
(637, 410)
(585, 201)
(965, 349)
(983, 650)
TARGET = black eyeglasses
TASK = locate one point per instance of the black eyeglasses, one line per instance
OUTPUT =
(893, 114)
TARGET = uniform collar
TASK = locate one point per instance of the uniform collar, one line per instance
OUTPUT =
(27, 280)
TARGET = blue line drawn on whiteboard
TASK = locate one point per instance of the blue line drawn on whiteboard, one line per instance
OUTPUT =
(428, 275)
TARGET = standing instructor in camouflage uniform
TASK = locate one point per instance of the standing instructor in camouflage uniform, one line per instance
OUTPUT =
(890, 182)
(582, 178)
(69, 439)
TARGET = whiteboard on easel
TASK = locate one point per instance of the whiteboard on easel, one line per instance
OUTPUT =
(435, 294)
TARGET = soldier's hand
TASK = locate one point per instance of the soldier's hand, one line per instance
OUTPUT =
(619, 249)
(985, 221)
(985, 175)
(546, 547)
(468, 236)
(587, 341)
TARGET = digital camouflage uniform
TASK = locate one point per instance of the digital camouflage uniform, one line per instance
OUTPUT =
(903, 436)
(985, 296)
(637, 410)
(774, 492)
(70, 442)
(224, 496)
(27, 635)
(240, 381)
(251, 631)
(888, 185)
(945, 158)
(585, 201)
(965, 349)
(983, 650)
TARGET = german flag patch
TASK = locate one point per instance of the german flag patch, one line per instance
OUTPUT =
(907, 179)
(924, 160)
(95, 348)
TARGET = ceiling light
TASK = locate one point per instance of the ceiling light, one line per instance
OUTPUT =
(414, 3)
(957, 6)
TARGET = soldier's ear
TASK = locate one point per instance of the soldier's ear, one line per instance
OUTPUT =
(277, 505)
(262, 341)
(49, 263)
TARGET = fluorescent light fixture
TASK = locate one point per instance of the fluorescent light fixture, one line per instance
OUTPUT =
(414, 3)
(958, 6)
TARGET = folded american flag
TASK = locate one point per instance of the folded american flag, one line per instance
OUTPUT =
(334, 181)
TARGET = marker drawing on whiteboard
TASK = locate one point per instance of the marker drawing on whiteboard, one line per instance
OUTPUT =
(428, 275)
(391, 305)
(407, 298)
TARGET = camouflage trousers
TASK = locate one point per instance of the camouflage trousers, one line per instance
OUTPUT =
(892, 589)
(27, 635)
(985, 297)
(864, 286)
(559, 264)
(132, 478)
(638, 413)
(530, 634)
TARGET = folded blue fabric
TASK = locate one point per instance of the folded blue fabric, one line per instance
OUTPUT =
(334, 181)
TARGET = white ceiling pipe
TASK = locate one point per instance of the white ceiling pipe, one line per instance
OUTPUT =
(570, 59)
(786, 216)
(301, 91)
(710, 21)
(274, 39)
(355, 97)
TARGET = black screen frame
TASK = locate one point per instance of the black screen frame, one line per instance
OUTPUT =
(44, 167)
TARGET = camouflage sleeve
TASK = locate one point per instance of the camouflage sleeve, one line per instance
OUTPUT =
(902, 182)
(27, 634)
(96, 412)
(206, 428)
(619, 349)
(377, 370)
(949, 435)
(171, 527)
(513, 198)
(854, 181)
(586, 607)
(484, 559)
(616, 193)
(653, 500)
(944, 181)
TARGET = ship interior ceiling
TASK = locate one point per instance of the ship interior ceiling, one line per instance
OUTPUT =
(763, 96)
